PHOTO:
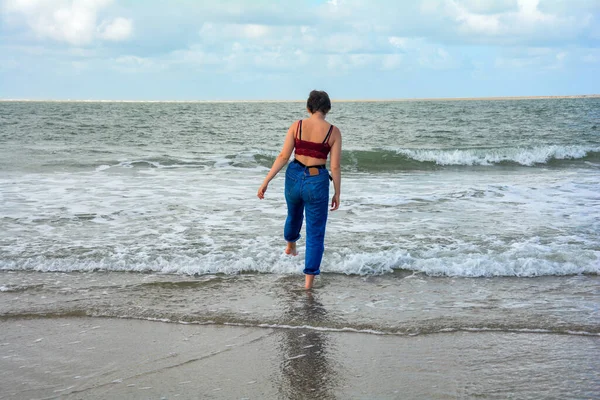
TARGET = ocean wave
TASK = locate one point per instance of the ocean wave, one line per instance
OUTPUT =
(524, 260)
(386, 160)
(414, 328)
(522, 156)
(415, 159)
(381, 160)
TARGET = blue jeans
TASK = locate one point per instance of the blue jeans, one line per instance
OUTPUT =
(310, 193)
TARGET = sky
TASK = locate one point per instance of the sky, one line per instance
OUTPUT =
(280, 50)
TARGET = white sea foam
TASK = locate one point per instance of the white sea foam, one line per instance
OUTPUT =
(523, 156)
(520, 260)
(186, 221)
(350, 329)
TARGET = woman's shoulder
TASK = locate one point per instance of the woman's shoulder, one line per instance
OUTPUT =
(295, 125)
(336, 131)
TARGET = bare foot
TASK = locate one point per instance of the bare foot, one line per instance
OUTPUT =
(291, 249)
(308, 281)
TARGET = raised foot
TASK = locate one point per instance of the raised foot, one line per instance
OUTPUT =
(291, 249)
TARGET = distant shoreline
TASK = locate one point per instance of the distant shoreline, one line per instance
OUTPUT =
(582, 96)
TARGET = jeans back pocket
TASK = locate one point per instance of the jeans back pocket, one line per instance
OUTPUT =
(318, 188)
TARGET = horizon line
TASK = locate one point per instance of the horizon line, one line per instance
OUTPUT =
(577, 96)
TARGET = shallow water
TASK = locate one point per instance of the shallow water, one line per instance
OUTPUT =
(459, 188)
(401, 303)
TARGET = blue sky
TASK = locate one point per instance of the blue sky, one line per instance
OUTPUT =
(354, 49)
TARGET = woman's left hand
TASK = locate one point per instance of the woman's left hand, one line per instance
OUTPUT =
(335, 202)
(262, 190)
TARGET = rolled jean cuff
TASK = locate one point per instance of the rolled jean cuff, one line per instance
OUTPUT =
(307, 272)
(293, 241)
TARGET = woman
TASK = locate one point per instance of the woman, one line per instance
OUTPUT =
(307, 180)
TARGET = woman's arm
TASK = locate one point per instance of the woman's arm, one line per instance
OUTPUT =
(336, 173)
(280, 161)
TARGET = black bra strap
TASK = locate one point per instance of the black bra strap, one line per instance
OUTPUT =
(299, 129)
(328, 134)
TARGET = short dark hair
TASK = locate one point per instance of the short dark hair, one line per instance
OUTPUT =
(318, 100)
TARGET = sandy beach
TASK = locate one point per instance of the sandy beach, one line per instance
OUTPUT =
(101, 358)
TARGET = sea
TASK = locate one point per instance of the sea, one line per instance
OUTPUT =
(466, 215)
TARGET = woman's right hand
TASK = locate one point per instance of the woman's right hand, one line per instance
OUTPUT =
(335, 202)
(261, 190)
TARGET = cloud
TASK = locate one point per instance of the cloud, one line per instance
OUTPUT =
(398, 42)
(478, 23)
(255, 30)
(70, 21)
(335, 35)
(490, 7)
(516, 22)
(116, 30)
(234, 31)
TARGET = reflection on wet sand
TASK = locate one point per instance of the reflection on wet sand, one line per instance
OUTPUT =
(306, 354)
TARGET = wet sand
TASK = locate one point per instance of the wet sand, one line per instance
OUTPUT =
(102, 358)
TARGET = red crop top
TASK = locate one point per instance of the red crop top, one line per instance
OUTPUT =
(312, 149)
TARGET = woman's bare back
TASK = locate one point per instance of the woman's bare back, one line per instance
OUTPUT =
(315, 129)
